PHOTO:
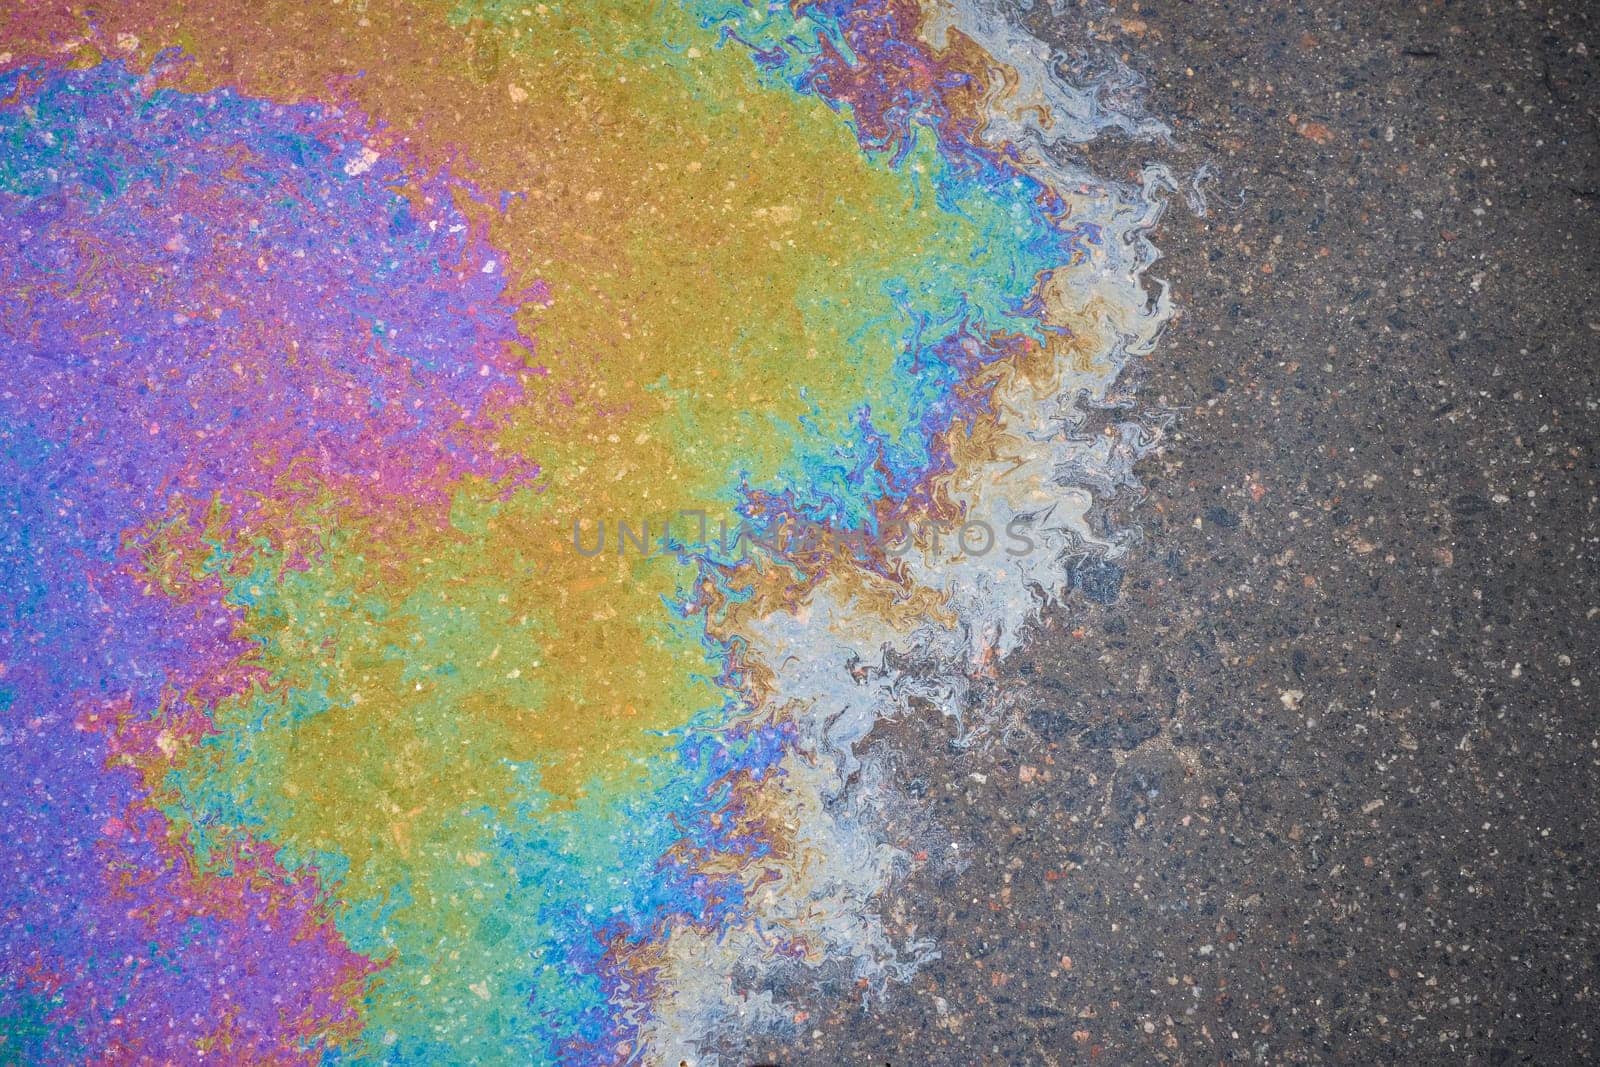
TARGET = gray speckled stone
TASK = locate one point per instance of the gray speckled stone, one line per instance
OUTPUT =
(1313, 778)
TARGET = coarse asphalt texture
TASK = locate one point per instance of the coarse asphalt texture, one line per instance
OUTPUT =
(1311, 776)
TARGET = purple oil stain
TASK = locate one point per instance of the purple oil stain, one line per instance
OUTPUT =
(208, 304)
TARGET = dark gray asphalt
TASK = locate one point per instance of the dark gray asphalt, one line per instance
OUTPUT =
(1318, 783)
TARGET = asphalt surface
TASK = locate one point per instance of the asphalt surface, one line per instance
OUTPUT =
(1311, 778)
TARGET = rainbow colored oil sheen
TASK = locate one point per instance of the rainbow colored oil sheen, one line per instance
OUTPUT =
(323, 338)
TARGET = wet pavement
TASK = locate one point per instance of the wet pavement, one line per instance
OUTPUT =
(1310, 777)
